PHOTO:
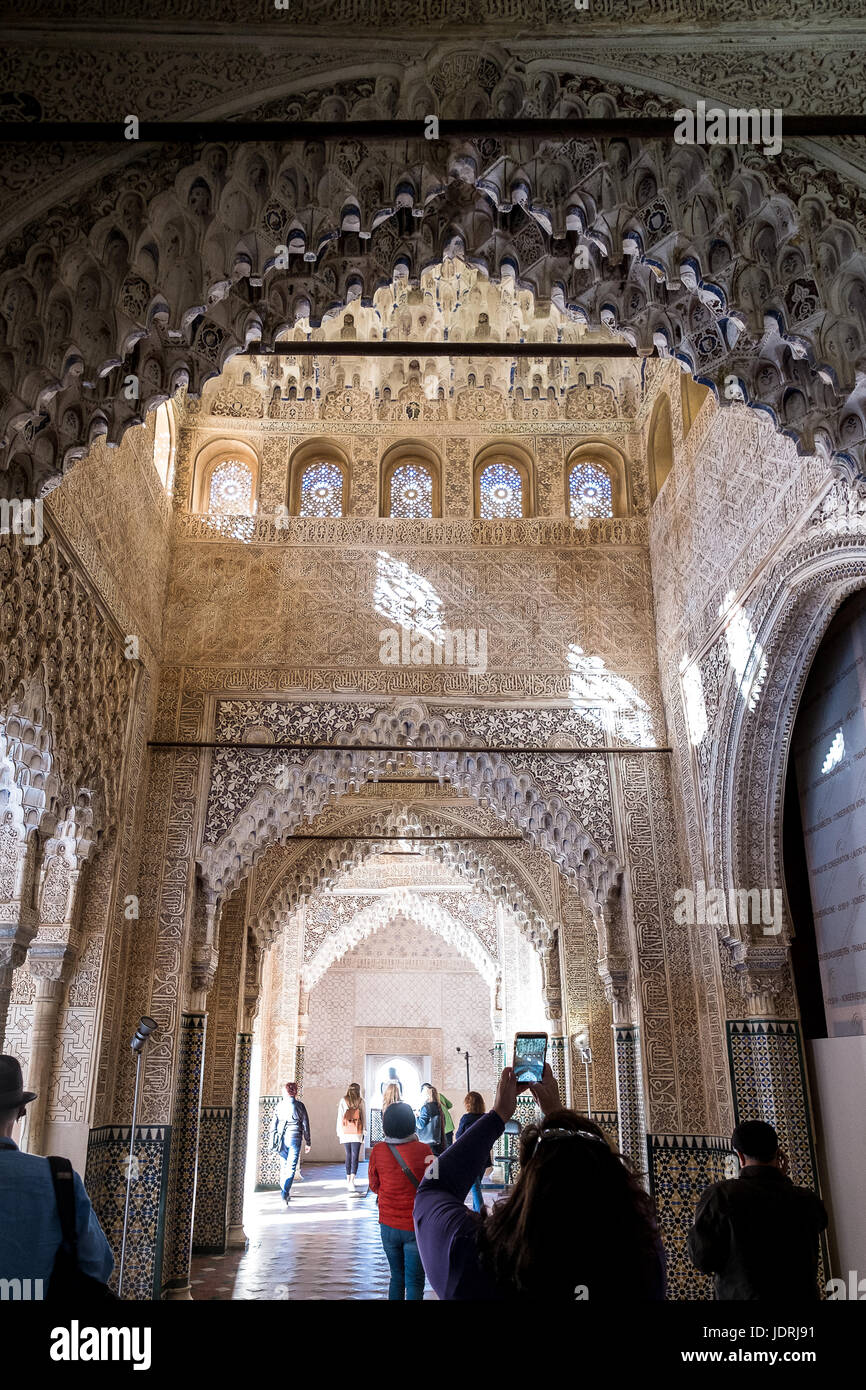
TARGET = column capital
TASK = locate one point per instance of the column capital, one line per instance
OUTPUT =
(616, 978)
(53, 960)
(762, 972)
(17, 930)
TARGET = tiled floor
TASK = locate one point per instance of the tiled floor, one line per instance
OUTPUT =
(324, 1245)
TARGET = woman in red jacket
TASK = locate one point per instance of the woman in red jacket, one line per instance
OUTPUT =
(397, 1165)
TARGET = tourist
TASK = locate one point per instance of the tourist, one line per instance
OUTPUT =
(447, 1107)
(576, 1226)
(30, 1231)
(431, 1119)
(351, 1124)
(391, 1095)
(291, 1128)
(474, 1106)
(397, 1165)
(391, 1080)
(758, 1233)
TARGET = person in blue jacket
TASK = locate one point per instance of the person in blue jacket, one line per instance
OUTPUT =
(30, 1234)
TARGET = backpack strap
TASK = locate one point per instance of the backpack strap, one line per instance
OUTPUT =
(404, 1165)
(62, 1179)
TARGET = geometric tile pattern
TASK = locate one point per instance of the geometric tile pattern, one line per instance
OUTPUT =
(629, 1094)
(211, 1187)
(268, 1173)
(680, 1167)
(184, 1159)
(105, 1179)
(237, 1161)
(608, 1123)
(768, 1080)
(556, 1058)
(769, 1084)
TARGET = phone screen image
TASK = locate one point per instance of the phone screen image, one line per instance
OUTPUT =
(530, 1051)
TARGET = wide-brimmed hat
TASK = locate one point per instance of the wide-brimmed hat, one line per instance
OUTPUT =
(398, 1121)
(12, 1091)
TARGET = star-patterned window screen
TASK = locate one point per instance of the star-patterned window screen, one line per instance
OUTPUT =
(322, 490)
(500, 491)
(589, 491)
(231, 489)
(411, 491)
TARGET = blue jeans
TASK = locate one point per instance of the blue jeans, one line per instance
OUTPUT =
(352, 1155)
(477, 1198)
(290, 1159)
(407, 1271)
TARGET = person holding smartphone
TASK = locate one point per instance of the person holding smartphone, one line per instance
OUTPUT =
(575, 1220)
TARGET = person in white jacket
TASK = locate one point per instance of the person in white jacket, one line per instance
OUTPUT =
(351, 1127)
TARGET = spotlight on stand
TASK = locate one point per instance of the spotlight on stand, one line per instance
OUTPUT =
(580, 1043)
(146, 1026)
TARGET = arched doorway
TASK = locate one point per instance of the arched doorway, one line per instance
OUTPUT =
(825, 875)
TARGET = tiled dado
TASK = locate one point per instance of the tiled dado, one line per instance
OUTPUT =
(680, 1167)
(235, 1234)
(608, 1123)
(185, 1152)
(768, 1081)
(556, 1058)
(105, 1179)
(268, 1168)
(629, 1094)
(212, 1181)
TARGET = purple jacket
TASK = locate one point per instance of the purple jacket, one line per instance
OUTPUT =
(446, 1230)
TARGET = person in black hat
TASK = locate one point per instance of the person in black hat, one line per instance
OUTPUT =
(758, 1233)
(397, 1165)
(30, 1234)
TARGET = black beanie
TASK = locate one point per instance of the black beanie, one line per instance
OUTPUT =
(398, 1121)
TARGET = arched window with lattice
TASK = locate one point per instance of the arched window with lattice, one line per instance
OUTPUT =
(500, 491)
(322, 490)
(230, 489)
(410, 491)
(590, 492)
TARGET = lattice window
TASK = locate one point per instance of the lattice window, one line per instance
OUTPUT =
(500, 491)
(411, 491)
(589, 491)
(231, 489)
(322, 490)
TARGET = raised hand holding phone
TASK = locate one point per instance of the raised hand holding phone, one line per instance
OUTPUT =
(546, 1092)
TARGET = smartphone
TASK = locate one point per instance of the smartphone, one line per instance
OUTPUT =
(530, 1055)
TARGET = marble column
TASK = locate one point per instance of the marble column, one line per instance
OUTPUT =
(236, 1236)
